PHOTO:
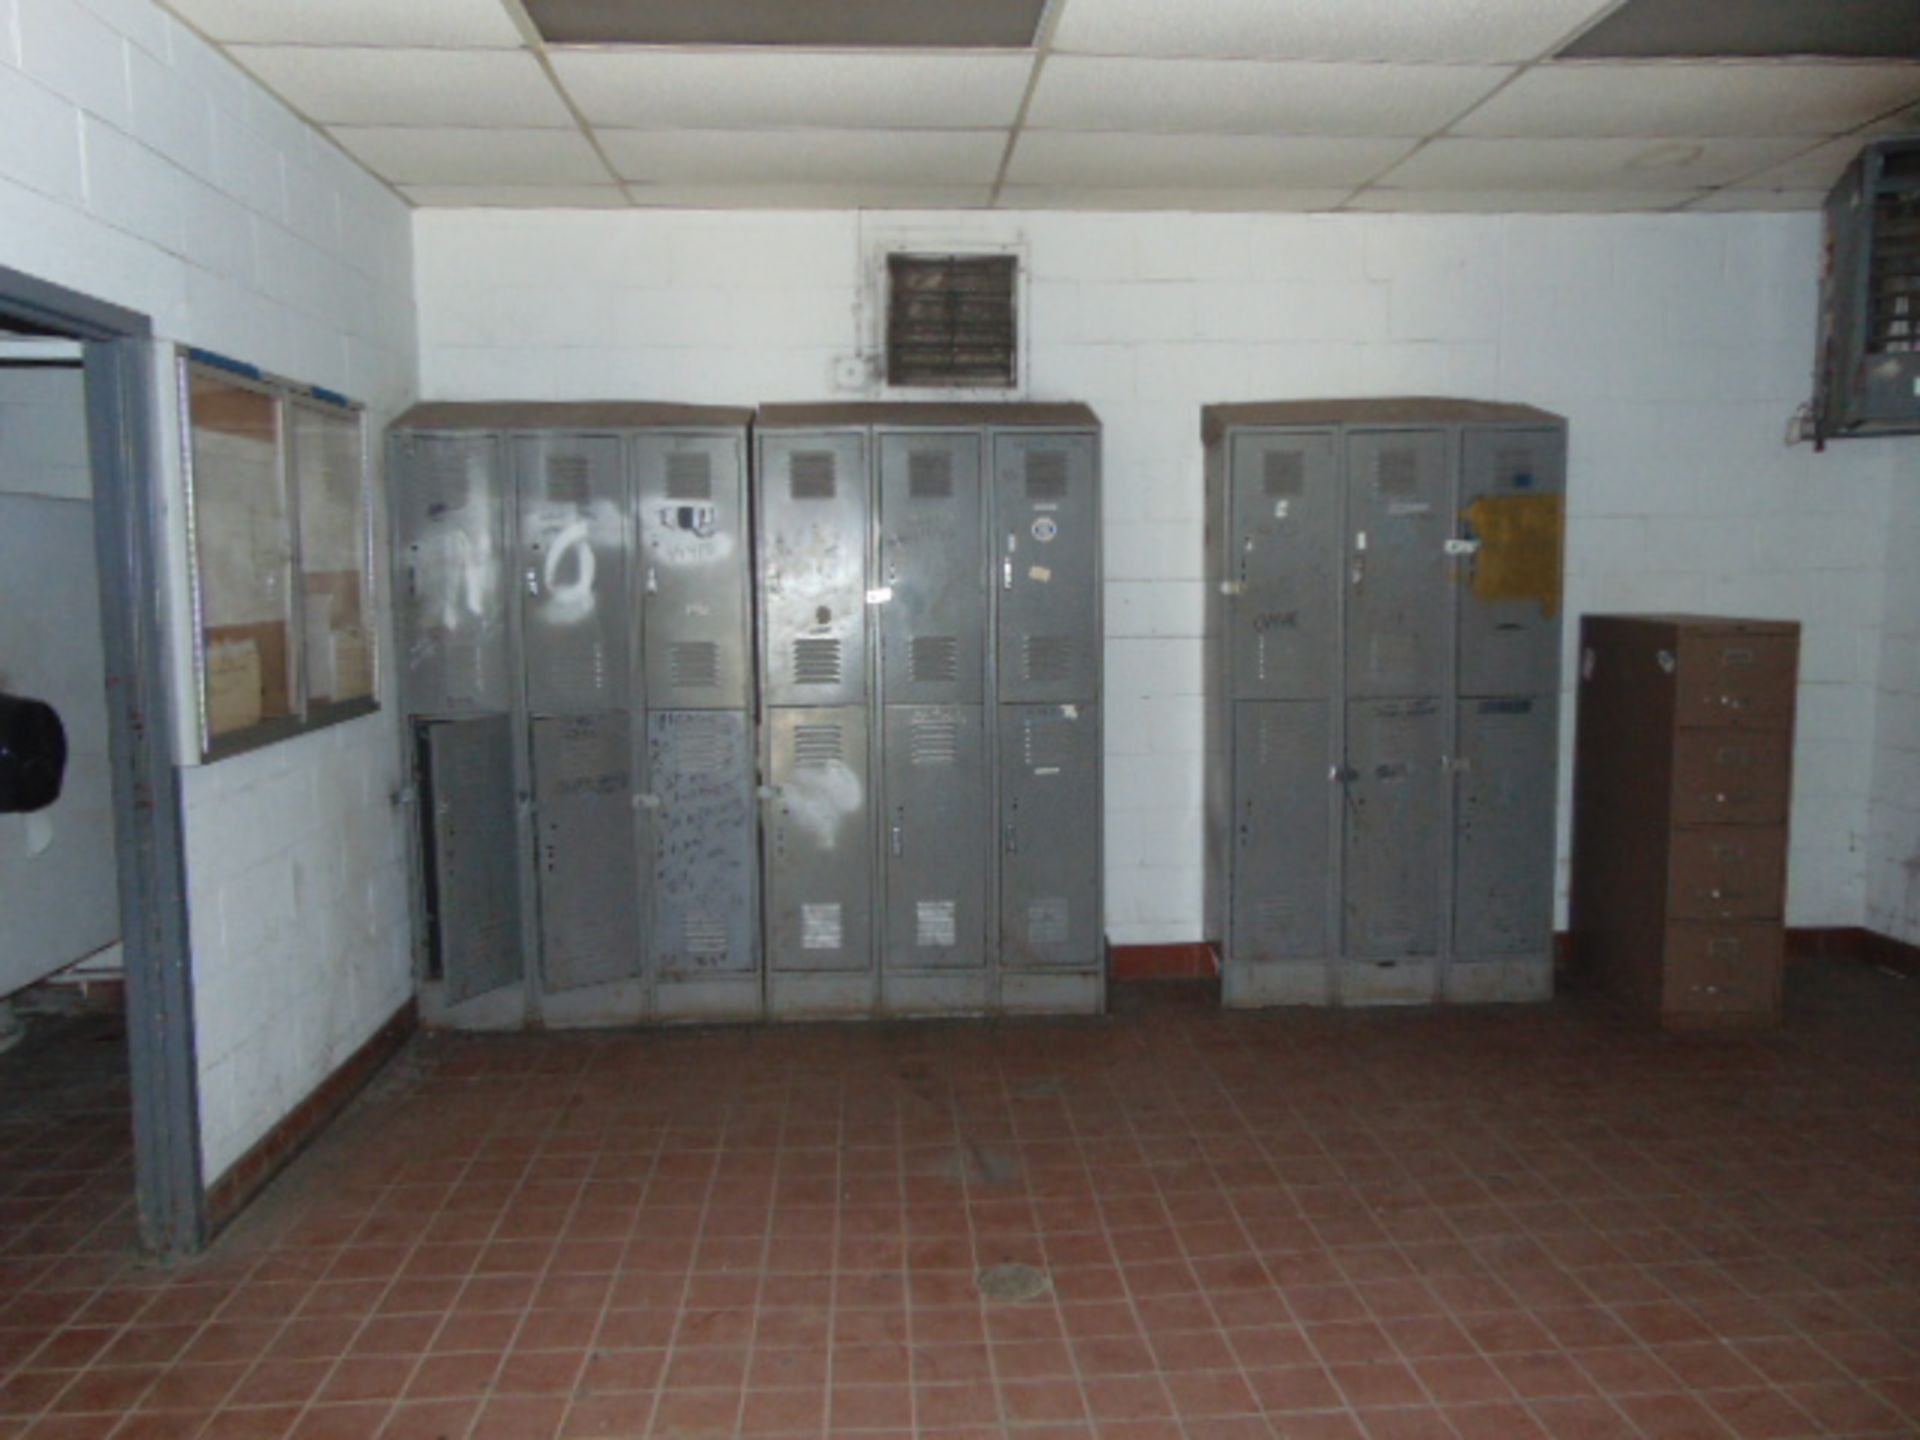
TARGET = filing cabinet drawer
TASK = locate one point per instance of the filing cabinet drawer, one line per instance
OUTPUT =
(1725, 971)
(1727, 872)
(1734, 679)
(1731, 777)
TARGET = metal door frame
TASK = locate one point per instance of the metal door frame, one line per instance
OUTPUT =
(120, 380)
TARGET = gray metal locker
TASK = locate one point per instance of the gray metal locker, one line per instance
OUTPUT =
(1399, 518)
(1283, 898)
(937, 837)
(1284, 572)
(585, 849)
(1381, 665)
(473, 888)
(1050, 856)
(1047, 544)
(605, 548)
(932, 570)
(574, 605)
(1508, 751)
(691, 501)
(451, 515)
(813, 520)
(1512, 511)
(1396, 839)
(977, 558)
(700, 768)
(819, 841)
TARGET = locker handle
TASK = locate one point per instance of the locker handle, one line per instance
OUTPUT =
(1006, 574)
(1012, 839)
(1458, 547)
(898, 848)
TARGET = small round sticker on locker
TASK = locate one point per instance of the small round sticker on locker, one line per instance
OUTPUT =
(1045, 528)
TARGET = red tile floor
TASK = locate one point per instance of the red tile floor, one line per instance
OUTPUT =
(1486, 1223)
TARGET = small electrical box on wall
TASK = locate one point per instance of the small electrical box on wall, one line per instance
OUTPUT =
(1867, 371)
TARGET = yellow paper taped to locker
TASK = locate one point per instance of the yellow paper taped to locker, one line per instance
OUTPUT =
(1520, 546)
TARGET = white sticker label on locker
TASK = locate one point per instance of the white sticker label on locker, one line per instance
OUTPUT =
(1409, 507)
(1039, 574)
(1280, 509)
(880, 596)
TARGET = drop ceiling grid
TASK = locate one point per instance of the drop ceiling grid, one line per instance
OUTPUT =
(1317, 104)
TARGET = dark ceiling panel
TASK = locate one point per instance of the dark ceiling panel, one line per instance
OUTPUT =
(936, 24)
(1750, 29)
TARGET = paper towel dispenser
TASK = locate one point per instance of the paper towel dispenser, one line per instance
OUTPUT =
(33, 754)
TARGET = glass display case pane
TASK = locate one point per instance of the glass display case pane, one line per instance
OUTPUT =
(329, 471)
(243, 543)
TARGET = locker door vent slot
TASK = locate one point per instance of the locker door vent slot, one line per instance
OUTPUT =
(1047, 920)
(820, 926)
(705, 936)
(701, 748)
(1046, 475)
(810, 475)
(934, 659)
(446, 486)
(816, 661)
(1047, 742)
(1274, 919)
(930, 475)
(694, 664)
(815, 746)
(1046, 658)
(690, 475)
(936, 740)
(1279, 743)
(934, 924)
(568, 480)
(1284, 473)
(1397, 472)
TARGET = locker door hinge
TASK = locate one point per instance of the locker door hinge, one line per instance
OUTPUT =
(403, 795)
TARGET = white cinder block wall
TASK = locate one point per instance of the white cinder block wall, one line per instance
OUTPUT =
(138, 166)
(1678, 346)
(1893, 875)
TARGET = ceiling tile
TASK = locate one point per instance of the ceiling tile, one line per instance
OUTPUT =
(484, 88)
(669, 89)
(1563, 165)
(1815, 169)
(1486, 30)
(517, 197)
(807, 157)
(1233, 199)
(1769, 201)
(1254, 97)
(1685, 98)
(1188, 162)
(452, 23)
(1505, 202)
(410, 155)
(696, 196)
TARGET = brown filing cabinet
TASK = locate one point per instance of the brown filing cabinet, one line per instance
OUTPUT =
(1683, 767)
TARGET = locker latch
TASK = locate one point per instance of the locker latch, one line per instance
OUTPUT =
(1233, 587)
(768, 792)
(880, 595)
(646, 802)
(403, 795)
(1457, 547)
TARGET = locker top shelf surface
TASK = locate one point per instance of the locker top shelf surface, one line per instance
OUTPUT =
(1216, 420)
(928, 413)
(570, 415)
(1735, 624)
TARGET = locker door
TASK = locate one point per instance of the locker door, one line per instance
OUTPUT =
(1395, 847)
(933, 628)
(1504, 854)
(700, 771)
(819, 841)
(1285, 567)
(1283, 873)
(573, 572)
(450, 515)
(1047, 509)
(1398, 522)
(584, 850)
(473, 900)
(1512, 497)
(691, 499)
(1050, 837)
(813, 568)
(937, 837)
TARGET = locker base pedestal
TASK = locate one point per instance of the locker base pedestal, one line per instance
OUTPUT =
(1067, 993)
(502, 1009)
(846, 995)
(1514, 979)
(960, 993)
(1394, 982)
(1251, 984)
(591, 1007)
(680, 1000)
